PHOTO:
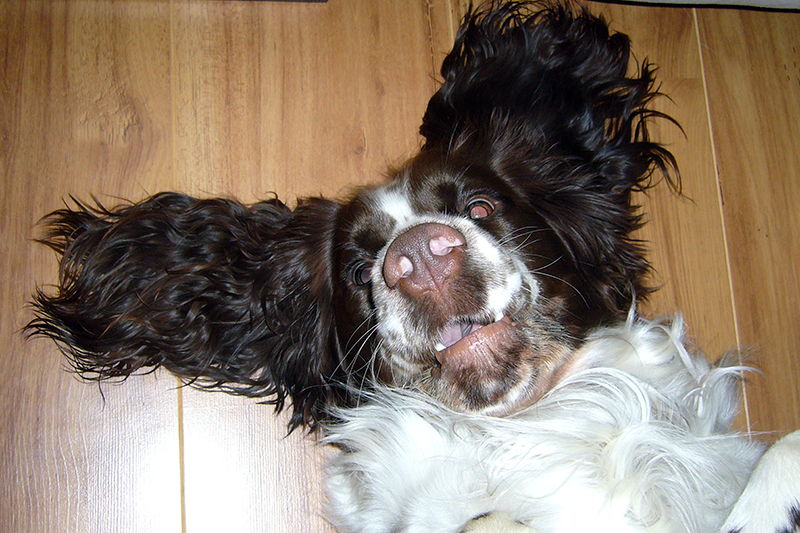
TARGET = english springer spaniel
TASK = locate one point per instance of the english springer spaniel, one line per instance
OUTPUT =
(465, 334)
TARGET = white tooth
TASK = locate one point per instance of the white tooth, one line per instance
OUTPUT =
(499, 316)
(439, 346)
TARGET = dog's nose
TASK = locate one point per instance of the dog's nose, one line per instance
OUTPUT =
(424, 258)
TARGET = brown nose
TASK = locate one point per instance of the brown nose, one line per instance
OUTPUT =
(424, 258)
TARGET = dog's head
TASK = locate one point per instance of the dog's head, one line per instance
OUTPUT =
(473, 274)
(479, 268)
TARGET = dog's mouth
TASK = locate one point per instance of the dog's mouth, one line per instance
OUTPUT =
(471, 342)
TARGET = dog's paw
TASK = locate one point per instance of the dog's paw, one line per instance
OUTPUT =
(771, 501)
(495, 522)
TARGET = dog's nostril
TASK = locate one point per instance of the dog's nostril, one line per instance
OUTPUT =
(397, 267)
(444, 244)
(405, 266)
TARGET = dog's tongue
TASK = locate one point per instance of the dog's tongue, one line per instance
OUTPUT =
(454, 333)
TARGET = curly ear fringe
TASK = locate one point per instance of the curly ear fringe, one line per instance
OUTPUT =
(555, 69)
(542, 90)
(214, 291)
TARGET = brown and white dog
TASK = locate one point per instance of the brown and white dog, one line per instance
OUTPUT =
(465, 333)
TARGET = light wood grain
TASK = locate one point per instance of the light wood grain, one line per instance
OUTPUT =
(85, 107)
(678, 226)
(126, 98)
(243, 473)
(752, 62)
(300, 99)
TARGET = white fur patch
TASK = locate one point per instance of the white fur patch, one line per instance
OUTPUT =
(634, 443)
(489, 250)
(495, 523)
(394, 203)
(773, 494)
(500, 297)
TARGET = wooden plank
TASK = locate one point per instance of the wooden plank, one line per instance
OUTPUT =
(243, 473)
(300, 99)
(751, 61)
(684, 234)
(122, 99)
(84, 92)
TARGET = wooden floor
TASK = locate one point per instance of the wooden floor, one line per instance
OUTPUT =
(125, 98)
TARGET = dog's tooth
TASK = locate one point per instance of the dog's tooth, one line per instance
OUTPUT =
(499, 316)
(439, 347)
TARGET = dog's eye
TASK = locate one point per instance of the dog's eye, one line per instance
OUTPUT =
(480, 207)
(361, 274)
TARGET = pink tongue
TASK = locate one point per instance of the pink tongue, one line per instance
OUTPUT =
(455, 332)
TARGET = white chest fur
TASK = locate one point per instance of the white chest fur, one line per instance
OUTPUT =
(637, 440)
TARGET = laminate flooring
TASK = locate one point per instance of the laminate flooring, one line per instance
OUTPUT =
(121, 99)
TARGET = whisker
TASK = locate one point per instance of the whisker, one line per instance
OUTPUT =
(368, 368)
(527, 230)
(350, 346)
(539, 271)
(525, 233)
(369, 330)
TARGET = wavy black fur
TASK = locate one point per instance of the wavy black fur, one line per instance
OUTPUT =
(242, 297)
(221, 294)
(542, 92)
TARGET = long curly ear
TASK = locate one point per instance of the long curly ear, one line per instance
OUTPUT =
(541, 94)
(221, 294)
(548, 80)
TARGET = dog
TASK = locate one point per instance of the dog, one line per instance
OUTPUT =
(465, 333)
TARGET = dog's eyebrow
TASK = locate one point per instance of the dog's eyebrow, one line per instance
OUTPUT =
(369, 239)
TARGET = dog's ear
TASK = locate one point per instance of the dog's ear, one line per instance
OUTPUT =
(545, 100)
(221, 294)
